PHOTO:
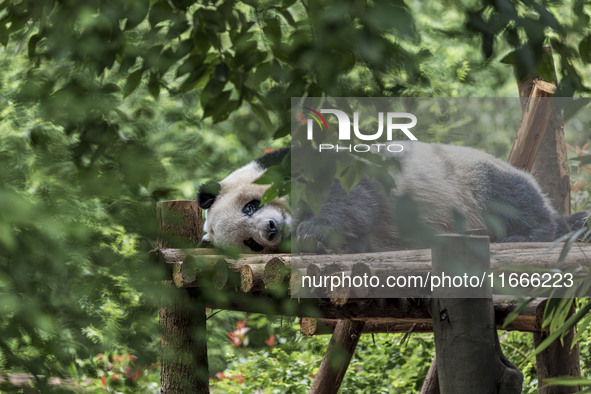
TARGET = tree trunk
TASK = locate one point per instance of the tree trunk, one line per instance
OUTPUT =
(183, 342)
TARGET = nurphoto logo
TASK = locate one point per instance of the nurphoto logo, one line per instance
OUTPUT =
(394, 121)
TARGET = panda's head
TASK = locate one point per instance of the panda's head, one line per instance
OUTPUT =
(235, 216)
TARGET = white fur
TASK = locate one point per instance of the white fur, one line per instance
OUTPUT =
(226, 225)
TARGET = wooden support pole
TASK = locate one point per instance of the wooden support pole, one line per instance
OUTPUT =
(551, 170)
(532, 128)
(431, 383)
(558, 359)
(338, 356)
(184, 366)
(551, 166)
(468, 354)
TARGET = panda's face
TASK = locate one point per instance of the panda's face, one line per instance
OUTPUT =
(236, 218)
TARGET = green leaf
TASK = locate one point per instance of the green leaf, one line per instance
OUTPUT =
(281, 132)
(136, 12)
(133, 81)
(566, 327)
(585, 49)
(586, 159)
(508, 58)
(545, 67)
(154, 85)
(272, 30)
(569, 381)
(262, 116)
(573, 107)
(288, 17)
(269, 195)
(32, 45)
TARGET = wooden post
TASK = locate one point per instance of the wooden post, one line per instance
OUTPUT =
(532, 128)
(557, 360)
(468, 354)
(431, 383)
(550, 168)
(337, 357)
(184, 366)
(552, 173)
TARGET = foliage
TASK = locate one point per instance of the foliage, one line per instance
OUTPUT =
(381, 363)
(107, 107)
(117, 374)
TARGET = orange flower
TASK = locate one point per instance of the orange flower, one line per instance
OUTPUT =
(238, 378)
(270, 341)
(238, 336)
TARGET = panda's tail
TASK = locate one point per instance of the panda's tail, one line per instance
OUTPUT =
(574, 222)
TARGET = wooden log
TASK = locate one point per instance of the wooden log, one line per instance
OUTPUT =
(338, 355)
(276, 272)
(295, 284)
(503, 256)
(533, 126)
(526, 321)
(251, 277)
(310, 326)
(468, 357)
(374, 310)
(184, 365)
(201, 271)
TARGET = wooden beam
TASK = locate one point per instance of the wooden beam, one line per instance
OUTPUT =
(527, 320)
(540, 255)
(310, 326)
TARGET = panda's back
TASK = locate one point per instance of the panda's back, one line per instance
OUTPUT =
(450, 179)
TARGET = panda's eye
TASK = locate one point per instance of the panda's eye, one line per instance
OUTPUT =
(251, 207)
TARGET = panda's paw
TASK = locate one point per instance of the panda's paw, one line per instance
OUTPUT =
(316, 236)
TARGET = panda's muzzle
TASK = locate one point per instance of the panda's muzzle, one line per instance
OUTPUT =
(271, 230)
(253, 245)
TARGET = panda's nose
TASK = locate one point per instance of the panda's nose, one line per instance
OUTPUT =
(271, 230)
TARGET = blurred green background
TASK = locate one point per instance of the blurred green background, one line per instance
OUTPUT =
(108, 106)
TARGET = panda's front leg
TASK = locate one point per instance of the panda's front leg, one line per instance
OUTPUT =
(344, 223)
(317, 235)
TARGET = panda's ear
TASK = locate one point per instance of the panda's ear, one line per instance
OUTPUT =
(207, 194)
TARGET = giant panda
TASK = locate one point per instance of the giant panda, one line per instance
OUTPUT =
(445, 182)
